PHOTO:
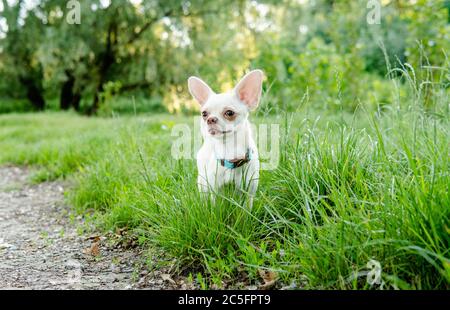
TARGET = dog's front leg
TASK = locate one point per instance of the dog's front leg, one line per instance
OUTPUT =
(252, 185)
(247, 182)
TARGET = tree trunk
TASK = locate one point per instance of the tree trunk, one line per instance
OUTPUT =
(76, 101)
(96, 103)
(34, 93)
(65, 100)
(35, 96)
(106, 61)
(108, 57)
(69, 98)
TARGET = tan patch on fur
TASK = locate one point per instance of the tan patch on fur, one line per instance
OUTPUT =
(229, 118)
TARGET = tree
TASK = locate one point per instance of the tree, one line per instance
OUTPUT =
(116, 42)
(18, 50)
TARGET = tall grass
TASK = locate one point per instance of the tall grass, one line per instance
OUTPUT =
(349, 189)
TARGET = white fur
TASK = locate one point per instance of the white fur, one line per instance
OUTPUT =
(233, 144)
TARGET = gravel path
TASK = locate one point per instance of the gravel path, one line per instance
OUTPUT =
(41, 249)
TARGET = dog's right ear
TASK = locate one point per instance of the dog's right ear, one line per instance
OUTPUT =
(199, 90)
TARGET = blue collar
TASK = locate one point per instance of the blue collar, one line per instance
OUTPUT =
(235, 163)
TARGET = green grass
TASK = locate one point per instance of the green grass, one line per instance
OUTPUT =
(349, 188)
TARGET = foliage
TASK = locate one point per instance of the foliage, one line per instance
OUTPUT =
(325, 50)
(350, 188)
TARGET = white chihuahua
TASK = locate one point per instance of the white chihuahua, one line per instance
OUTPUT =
(229, 152)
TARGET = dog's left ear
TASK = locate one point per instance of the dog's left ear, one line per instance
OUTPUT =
(249, 88)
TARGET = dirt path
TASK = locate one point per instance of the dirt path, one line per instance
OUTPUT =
(41, 249)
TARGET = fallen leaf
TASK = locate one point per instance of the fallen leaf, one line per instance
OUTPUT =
(167, 277)
(94, 250)
(269, 277)
(95, 238)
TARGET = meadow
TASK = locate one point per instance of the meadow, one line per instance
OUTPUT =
(350, 189)
(360, 197)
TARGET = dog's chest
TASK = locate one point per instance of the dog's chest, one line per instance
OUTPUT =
(223, 175)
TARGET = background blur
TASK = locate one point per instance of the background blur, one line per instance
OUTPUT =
(135, 56)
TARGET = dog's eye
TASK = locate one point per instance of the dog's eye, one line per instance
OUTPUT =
(204, 114)
(229, 113)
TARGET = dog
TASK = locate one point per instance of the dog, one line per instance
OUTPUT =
(229, 153)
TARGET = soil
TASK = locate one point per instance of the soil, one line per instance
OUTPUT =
(42, 247)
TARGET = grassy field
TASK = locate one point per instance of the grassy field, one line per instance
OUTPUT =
(350, 188)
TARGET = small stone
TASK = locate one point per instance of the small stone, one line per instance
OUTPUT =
(143, 273)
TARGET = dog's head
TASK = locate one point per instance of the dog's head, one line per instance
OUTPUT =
(224, 113)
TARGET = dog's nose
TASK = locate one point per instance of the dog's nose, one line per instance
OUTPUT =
(211, 120)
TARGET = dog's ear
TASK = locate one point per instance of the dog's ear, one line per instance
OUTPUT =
(199, 89)
(249, 88)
